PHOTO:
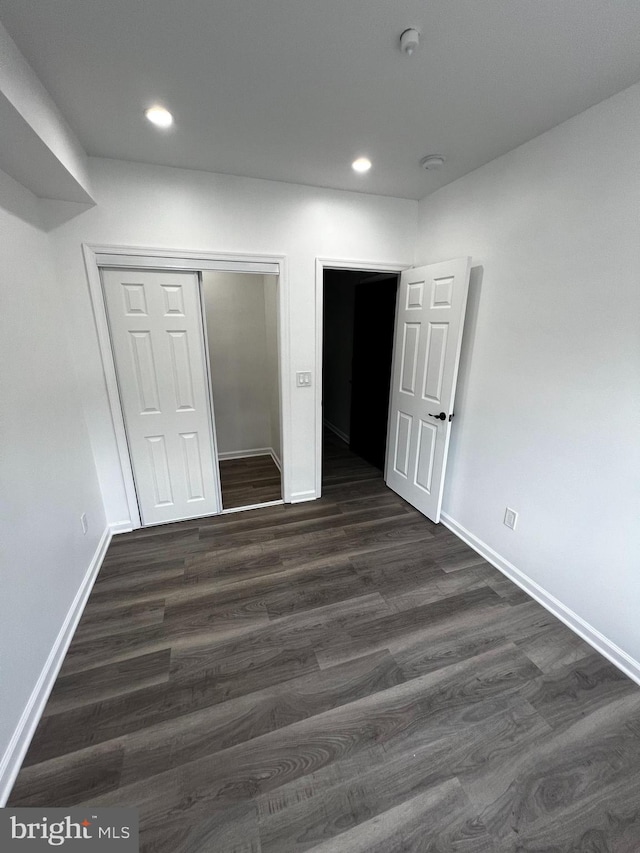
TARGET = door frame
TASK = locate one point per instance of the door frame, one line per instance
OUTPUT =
(105, 256)
(323, 264)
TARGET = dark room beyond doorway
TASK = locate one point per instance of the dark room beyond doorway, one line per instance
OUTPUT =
(359, 316)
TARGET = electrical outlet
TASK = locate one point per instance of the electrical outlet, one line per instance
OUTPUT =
(511, 518)
(84, 522)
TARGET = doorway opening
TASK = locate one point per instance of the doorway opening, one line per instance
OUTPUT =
(359, 310)
(241, 333)
(429, 320)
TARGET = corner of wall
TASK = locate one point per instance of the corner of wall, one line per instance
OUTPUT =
(16, 750)
(579, 626)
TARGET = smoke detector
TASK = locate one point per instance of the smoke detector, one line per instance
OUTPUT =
(432, 162)
(409, 41)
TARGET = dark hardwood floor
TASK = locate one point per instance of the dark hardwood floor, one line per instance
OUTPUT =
(339, 676)
(245, 482)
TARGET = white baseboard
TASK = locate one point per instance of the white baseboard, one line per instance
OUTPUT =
(17, 749)
(256, 451)
(120, 527)
(587, 632)
(276, 459)
(246, 454)
(299, 497)
(337, 431)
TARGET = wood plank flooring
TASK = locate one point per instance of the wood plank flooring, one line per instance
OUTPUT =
(335, 676)
(245, 482)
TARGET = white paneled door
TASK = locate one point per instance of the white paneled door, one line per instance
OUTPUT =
(429, 321)
(155, 320)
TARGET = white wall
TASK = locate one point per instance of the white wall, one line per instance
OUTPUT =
(175, 208)
(272, 361)
(548, 409)
(47, 474)
(236, 331)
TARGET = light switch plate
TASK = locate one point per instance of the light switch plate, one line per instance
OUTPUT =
(303, 378)
(511, 518)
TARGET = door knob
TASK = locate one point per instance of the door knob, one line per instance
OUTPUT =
(441, 416)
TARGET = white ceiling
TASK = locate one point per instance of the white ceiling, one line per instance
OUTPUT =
(294, 90)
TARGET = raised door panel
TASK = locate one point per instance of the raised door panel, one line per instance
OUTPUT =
(192, 466)
(159, 468)
(434, 362)
(442, 292)
(144, 372)
(173, 300)
(181, 370)
(402, 444)
(135, 303)
(427, 437)
(410, 348)
(415, 295)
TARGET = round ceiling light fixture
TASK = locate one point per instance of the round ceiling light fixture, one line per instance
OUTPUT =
(409, 41)
(432, 162)
(159, 116)
(362, 165)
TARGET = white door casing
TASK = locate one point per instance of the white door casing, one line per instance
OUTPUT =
(429, 322)
(155, 322)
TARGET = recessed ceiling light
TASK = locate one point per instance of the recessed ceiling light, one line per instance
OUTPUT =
(362, 164)
(159, 116)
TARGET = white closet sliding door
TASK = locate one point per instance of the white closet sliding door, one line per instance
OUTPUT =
(155, 321)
